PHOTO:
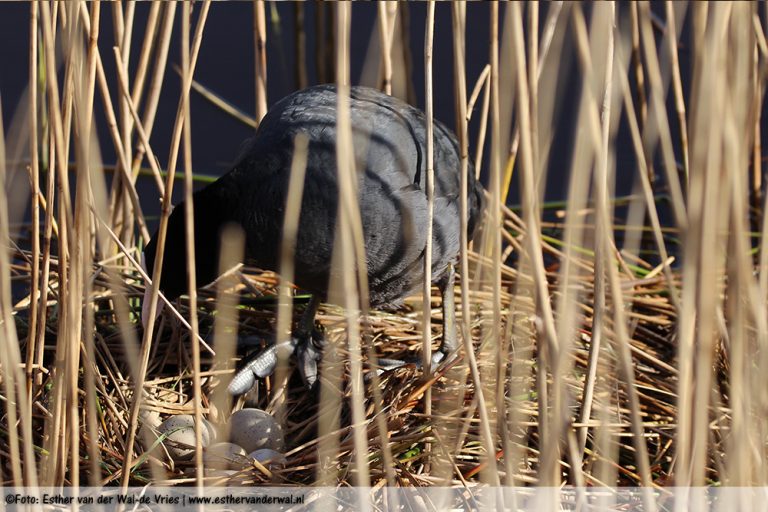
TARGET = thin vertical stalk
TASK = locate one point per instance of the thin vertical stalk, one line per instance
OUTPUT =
(301, 46)
(601, 258)
(349, 242)
(16, 406)
(386, 23)
(226, 322)
(34, 165)
(430, 190)
(288, 265)
(260, 45)
(83, 223)
(189, 226)
(459, 38)
(677, 86)
(492, 475)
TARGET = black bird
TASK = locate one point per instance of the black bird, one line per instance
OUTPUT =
(390, 156)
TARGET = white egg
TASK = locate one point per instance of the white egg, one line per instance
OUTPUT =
(254, 429)
(179, 432)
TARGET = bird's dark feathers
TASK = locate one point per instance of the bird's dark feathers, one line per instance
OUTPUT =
(390, 158)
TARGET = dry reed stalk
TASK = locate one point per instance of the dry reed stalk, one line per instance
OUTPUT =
(17, 409)
(602, 221)
(689, 310)
(550, 44)
(320, 50)
(744, 325)
(348, 246)
(118, 205)
(123, 24)
(300, 55)
(54, 473)
(287, 268)
(41, 319)
(189, 225)
(74, 282)
(481, 82)
(223, 104)
(387, 12)
(653, 215)
(663, 130)
(758, 75)
(143, 137)
(486, 389)
(637, 63)
(150, 38)
(426, 347)
(112, 124)
(146, 343)
(458, 21)
(34, 169)
(86, 199)
(153, 96)
(549, 346)
(260, 47)
(677, 82)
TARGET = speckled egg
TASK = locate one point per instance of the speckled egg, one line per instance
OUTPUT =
(224, 456)
(254, 429)
(179, 434)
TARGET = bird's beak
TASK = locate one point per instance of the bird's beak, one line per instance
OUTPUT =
(147, 299)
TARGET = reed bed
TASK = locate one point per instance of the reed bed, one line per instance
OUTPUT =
(606, 341)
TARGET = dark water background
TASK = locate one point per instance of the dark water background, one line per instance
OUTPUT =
(226, 66)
